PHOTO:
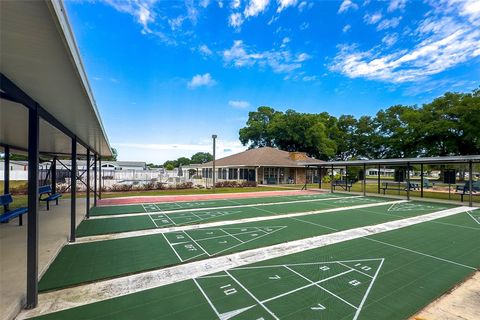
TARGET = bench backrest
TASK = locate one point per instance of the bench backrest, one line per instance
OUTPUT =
(6, 199)
(44, 189)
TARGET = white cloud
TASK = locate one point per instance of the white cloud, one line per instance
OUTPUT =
(372, 18)
(255, 7)
(204, 3)
(142, 11)
(347, 5)
(285, 41)
(309, 78)
(282, 61)
(304, 26)
(396, 5)
(283, 4)
(302, 6)
(446, 36)
(235, 4)
(239, 104)
(346, 28)
(389, 23)
(205, 50)
(390, 39)
(235, 20)
(201, 80)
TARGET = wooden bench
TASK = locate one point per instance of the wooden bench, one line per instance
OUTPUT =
(46, 195)
(342, 184)
(398, 186)
(5, 200)
(464, 190)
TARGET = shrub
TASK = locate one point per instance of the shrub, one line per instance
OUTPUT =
(184, 185)
(121, 187)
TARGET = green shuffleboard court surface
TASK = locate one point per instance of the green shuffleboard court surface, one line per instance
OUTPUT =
(160, 220)
(88, 262)
(182, 205)
(390, 275)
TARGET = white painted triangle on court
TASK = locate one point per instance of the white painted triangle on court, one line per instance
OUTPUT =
(475, 215)
(231, 314)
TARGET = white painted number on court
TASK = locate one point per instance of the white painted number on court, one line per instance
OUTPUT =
(318, 307)
(354, 283)
(276, 277)
(190, 247)
(228, 290)
(324, 268)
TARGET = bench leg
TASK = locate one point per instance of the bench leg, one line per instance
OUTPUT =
(461, 196)
(20, 220)
(48, 205)
(56, 201)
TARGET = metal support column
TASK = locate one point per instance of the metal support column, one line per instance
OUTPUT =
(6, 175)
(364, 179)
(470, 183)
(378, 179)
(99, 177)
(408, 181)
(54, 175)
(73, 190)
(95, 180)
(88, 184)
(214, 137)
(346, 178)
(32, 229)
(320, 178)
(331, 181)
(421, 180)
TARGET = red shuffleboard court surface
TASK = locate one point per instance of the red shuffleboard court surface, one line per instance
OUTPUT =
(198, 197)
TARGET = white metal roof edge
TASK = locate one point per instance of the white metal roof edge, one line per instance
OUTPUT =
(58, 11)
(396, 161)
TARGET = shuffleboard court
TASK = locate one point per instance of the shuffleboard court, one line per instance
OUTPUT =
(87, 262)
(390, 275)
(181, 205)
(91, 227)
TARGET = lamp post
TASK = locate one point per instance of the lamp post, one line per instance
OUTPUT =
(214, 137)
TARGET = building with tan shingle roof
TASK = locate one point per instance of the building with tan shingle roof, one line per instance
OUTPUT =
(264, 165)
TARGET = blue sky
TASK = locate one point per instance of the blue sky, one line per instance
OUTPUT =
(168, 74)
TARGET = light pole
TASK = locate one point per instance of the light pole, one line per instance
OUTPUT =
(214, 137)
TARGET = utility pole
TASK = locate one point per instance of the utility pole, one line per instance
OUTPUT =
(214, 137)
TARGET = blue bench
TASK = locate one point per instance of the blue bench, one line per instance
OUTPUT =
(5, 200)
(47, 190)
(464, 190)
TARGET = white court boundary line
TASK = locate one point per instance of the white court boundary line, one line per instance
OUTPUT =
(122, 235)
(476, 219)
(126, 215)
(102, 290)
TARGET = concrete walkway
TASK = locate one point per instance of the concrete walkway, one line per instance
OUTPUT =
(54, 230)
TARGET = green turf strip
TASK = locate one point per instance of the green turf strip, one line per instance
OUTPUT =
(132, 223)
(104, 259)
(406, 282)
(180, 205)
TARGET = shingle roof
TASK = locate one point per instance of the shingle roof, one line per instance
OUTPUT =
(265, 156)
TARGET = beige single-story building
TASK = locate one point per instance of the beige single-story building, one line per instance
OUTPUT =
(265, 166)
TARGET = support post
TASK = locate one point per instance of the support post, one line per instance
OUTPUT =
(54, 175)
(32, 224)
(319, 177)
(6, 175)
(378, 179)
(88, 184)
(421, 180)
(470, 180)
(99, 177)
(95, 180)
(346, 178)
(408, 180)
(331, 180)
(73, 190)
(214, 137)
(364, 179)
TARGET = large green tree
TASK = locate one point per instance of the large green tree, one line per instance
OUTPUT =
(201, 157)
(257, 133)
